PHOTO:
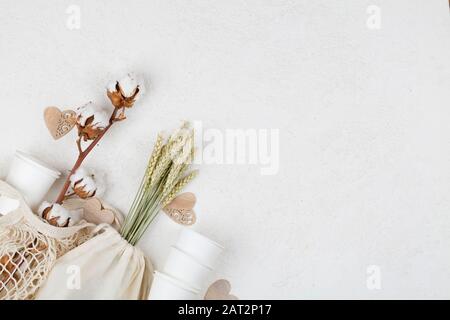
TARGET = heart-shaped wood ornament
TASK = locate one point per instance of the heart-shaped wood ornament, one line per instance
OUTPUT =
(181, 208)
(94, 212)
(220, 290)
(58, 122)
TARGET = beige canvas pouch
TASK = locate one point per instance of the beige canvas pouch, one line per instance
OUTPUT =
(106, 267)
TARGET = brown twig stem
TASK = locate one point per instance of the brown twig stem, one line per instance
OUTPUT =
(82, 156)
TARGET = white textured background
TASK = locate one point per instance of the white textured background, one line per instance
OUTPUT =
(363, 116)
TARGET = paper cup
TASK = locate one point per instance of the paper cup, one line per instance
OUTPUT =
(187, 269)
(165, 287)
(31, 177)
(203, 249)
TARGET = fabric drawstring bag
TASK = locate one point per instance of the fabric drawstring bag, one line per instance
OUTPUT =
(106, 267)
(29, 247)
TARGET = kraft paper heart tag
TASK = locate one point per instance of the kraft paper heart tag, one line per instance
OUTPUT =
(181, 208)
(95, 212)
(58, 122)
(220, 290)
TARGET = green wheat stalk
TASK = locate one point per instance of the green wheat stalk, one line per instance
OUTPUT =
(166, 175)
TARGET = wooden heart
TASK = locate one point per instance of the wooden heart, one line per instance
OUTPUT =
(94, 212)
(58, 122)
(181, 208)
(220, 290)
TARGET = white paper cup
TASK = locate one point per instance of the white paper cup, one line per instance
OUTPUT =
(31, 177)
(187, 269)
(203, 249)
(165, 287)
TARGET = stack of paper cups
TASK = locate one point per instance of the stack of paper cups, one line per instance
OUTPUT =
(201, 248)
(165, 287)
(31, 177)
(190, 263)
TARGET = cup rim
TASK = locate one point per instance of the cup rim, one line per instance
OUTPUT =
(192, 258)
(177, 282)
(37, 163)
(188, 230)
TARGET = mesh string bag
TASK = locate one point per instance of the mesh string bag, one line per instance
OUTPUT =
(29, 248)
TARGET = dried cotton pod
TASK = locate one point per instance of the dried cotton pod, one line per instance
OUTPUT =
(91, 121)
(86, 184)
(125, 92)
(58, 216)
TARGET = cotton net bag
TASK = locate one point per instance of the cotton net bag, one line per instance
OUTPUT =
(30, 247)
(106, 267)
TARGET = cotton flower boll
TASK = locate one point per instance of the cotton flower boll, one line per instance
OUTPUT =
(83, 183)
(91, 121)
(86, 188)
(126, 91)
(87, 182)
(59, 216)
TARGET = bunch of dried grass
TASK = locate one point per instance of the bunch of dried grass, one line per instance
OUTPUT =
(166, 175)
